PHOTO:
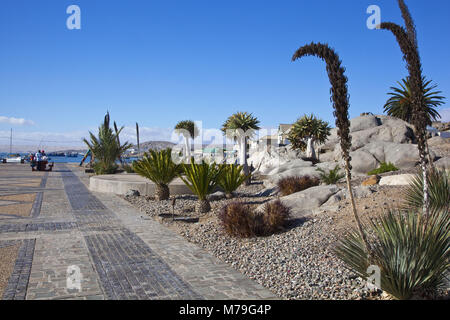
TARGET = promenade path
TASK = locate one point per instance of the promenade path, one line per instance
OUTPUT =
(51, 226)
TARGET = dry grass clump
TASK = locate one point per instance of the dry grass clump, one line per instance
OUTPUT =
(290, 185)
(243, 221)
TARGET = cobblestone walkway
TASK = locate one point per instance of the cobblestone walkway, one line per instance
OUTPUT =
(119, 253)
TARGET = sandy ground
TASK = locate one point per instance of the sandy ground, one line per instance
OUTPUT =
(8, 258)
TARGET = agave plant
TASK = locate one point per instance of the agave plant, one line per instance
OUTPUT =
(240, 126)
(159, 168)
(339, 97)
(407, 40)
(412, 252)
(202, 179)
(438, 188)
(189, 131)
(106, 149)
(309, 129)
(231, 178)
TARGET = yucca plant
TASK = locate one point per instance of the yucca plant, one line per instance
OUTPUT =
(231, 178)
(306, 132)
(203, 180)
(240, 126)
(159, 168)
(340, 99)
(106, 148)
(412, 252)
(438, 188)
(407, 40)
(332, 176)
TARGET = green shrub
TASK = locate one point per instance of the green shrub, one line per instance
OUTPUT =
(241, 220)
(438, 190)
(384, 167)
(231, 178)
(411, 250)
(128, 168)
(290, 185)
(202, 179)
(332, 177)
(159, 168)
(104, 167)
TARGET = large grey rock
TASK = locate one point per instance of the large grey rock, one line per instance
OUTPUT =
(363, 123)
(362, 161)
(300, 171)
(443, 163)
(306, 201)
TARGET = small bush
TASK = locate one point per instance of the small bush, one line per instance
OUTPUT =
(384, 167)
(128, 168)
(332, 177)
(290, 185)
(231, 178)
(241, 220)
(104, 168)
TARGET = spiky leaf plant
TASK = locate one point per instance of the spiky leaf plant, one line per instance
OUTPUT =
(159, 168)
(438, 188)
(202, 179)
(407, 41)
(307, 131)
(332, 176)
(231, 178)
(240, 126)
(105, 148)
(411, 250)
(340, 99)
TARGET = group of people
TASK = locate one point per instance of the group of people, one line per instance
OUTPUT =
(38, 160)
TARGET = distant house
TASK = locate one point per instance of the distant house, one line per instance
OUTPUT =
(283, 132)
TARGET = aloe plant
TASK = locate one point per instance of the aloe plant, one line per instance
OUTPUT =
(203, 180)
(159, 168)
(311, 129)
(231, 178)
(332, 176)
(339, 97)
(407, 40)
(189, 131)
(240, 126)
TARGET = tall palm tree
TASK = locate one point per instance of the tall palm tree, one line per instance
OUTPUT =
(189, 130)
(340, 99)
(240, 126)
(407, 41)
(311, 129)
(106, 149)
(400, 103)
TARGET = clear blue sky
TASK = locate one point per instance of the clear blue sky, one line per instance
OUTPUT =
(158, 62)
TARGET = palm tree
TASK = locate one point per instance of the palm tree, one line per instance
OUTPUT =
(189, 131)
(400, 103)
(106, 149)
(159, 168)
(339, 97)
(311, 129)
(407, 41)
(240, 126)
